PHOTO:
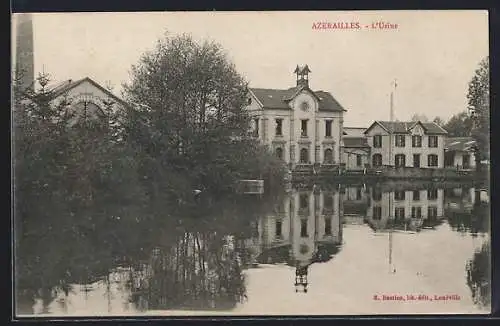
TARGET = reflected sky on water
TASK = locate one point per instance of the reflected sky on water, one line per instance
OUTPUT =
(317, 250)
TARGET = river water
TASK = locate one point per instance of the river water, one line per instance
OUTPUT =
(345, 249)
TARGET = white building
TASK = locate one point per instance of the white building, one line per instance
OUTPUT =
(459, 153)
(301, 126)
(406, 144)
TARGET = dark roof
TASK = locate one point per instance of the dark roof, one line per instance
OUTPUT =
(278, 98)
(355, 142)
(462, 144)
(405, 127)
(65, 86)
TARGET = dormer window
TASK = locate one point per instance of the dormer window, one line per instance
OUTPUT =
(249, 101)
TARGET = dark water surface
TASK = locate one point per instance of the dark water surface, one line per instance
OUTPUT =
(344, 249)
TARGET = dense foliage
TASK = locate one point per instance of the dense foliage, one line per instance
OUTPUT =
(92, 194)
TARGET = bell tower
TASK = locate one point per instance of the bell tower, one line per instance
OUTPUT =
(24, 66)
(302, 74)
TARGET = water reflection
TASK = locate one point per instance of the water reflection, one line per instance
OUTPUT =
(216, 258)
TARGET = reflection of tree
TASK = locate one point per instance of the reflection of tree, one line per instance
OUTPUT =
(479, 276)
(202, 271)
(477, 221)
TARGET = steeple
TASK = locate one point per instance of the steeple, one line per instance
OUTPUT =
(302, 74)
(24, 68)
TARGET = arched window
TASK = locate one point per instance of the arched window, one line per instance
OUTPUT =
(328, 156)
(304, 155)
(279, 153)
(377, 160)
(400, 160)
(86, 111)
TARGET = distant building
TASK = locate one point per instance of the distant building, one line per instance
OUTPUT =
(301, 126)
(86, 98)
(406, 144)
(459, 153)
(355, 149)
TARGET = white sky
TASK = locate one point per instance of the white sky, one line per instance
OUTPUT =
(433, 54)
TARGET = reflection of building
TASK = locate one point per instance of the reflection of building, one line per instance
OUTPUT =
(300, 125)
(409, 209)
(406, 144)
(459, 199)
(355, 149)
(355, 200)
(304, 228)
(459, 153)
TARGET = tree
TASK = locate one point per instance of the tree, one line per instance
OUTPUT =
(439, 121)
(459, 125)
(189, 124)
(419, 117)
(478, 97)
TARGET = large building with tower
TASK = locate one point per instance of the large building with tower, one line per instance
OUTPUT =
(300, 125)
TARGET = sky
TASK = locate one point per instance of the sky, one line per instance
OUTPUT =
(431, 54)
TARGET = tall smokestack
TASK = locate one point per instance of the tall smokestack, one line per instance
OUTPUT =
(24, 50)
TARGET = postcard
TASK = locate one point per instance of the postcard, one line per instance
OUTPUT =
(291, 163)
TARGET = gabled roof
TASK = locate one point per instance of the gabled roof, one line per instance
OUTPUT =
(279, 98)
(404, 127)
(65, 86)
(354, 131)
(462, 144)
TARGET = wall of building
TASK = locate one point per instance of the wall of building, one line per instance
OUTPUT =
(389, 149)
(458, 159)
(349, 157)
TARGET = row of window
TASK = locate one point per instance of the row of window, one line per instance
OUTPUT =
(304, 202)
(304, 155)
(400, 160)
(432, 194)
(278, 129)
(400, 141)
(399, 212)
(303, 228)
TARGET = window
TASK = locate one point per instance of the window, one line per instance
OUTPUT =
(279, 127)
(328, 128)
(432, 212)
(328, 226)
(416, 160)
(466, 161)
(432, 194)
(416, 212)
(278, 229)
(400, 140)
(377, 212)
(377, 194)
(400, 160)
(377, 160)
(377, 141)
(256, 127)
(328, 156)
(304, 201)
(303, 128)
(433, 141)
(416, 195)
(303, 228)
(399, 213)
(304, 155)
(359, 160)
(358, 193)
(249, 101)
(416, 141)
(432, 160)
(279, 153)
(399, 195)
